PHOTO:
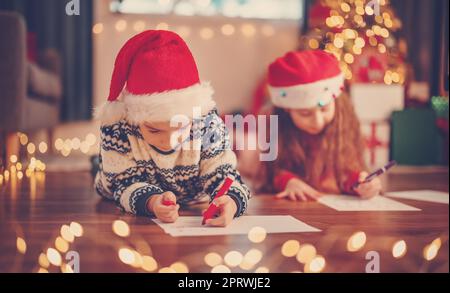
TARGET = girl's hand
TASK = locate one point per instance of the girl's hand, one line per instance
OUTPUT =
(370, 189)
(166, 214)
(296, 189)
(227, 210)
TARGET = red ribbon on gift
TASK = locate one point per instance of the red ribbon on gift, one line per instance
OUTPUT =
(442, 124)
(373, 142)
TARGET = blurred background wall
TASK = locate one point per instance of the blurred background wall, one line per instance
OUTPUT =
(232, 53)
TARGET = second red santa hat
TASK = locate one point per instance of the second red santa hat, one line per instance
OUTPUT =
(305, 79)
(155, 77)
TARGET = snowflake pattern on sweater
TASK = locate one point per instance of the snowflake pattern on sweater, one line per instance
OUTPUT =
(131, 171)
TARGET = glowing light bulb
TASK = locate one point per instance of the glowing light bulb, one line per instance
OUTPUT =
(345, 7)
(54, 257)
(313, 44)
(76, 229)
(126, 256)
(31, 148)
(290, 248)
(162, 26)
(306, 253)
(121, 228)
(262, 270)
(206, 33)
(13, 159)
(228, 29)
(139, 26)
(248, 30)
(149, 264)
(399, 249)
(213, 259)
(61, 244)
(121, 25)
(338, 42)
(221, 269)
(356, 241)
(98, 28)
(43, 147)
(257, 234)
(233, 258)
(21, 245)
(316, 265)
(180, 267)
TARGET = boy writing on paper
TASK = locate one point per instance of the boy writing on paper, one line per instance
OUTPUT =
(146, 159)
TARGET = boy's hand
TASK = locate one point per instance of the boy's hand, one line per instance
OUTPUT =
(370, 189)
(167, 214)
(296, 189)
(227, 210)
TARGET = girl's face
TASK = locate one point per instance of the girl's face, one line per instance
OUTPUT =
(314, 120)
(164, 136)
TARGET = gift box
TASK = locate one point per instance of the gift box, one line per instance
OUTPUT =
(416, 140)
(376, 102)
(377, 141)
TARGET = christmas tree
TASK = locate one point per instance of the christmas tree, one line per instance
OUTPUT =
(362, 35)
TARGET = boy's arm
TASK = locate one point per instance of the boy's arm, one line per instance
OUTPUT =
(218, 161)
(120, 178)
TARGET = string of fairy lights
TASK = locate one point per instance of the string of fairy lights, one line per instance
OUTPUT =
(141, 258)
(31, 161)
(29, 164)
(354, 28)
(205, 33)
(70, 145)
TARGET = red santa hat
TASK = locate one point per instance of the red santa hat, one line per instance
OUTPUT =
(155, 77)
(306, 79)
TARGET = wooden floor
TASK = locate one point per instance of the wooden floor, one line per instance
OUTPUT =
(35, 208)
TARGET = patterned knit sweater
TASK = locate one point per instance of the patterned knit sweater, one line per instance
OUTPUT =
(131, 170)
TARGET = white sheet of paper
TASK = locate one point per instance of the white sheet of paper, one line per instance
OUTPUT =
(422, 195)
(192, 226)
(345, 203)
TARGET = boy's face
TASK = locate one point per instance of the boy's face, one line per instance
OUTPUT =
(164, 136)
(314, 120)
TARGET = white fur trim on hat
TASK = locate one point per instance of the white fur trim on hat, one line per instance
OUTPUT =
(110, 112)
(159, 107)
(308, 95)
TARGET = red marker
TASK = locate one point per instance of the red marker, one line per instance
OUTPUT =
(213, 209)
(168, 203)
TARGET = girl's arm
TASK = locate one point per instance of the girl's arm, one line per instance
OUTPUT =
(282, 178)
(217, 161)
(289, 185)
(365, 190)
(120, 178)
(352, 177)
